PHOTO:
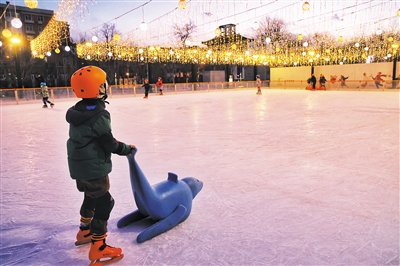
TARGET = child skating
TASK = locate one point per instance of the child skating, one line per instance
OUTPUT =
(258, 84)
(147, 87)
(45, 95)
(160, 85)
(89, 150)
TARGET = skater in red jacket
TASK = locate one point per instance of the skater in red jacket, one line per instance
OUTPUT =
(159, 85)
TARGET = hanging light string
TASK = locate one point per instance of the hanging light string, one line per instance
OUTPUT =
(120, 16)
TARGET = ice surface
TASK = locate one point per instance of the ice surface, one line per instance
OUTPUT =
(290, 178)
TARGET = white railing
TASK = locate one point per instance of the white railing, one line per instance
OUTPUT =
(22, 95)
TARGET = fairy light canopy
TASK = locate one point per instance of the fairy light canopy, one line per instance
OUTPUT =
(335, 27)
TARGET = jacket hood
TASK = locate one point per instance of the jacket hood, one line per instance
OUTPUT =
(84, 110)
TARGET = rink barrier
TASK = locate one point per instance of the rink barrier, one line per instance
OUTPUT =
(19, 95)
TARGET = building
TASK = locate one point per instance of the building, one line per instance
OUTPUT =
(17, 66)
(33, 22)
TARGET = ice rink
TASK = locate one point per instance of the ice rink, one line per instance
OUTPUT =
(291, 177)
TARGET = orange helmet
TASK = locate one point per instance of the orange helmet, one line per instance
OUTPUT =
(89, 82)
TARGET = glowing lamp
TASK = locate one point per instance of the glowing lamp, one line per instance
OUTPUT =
(15, 40)
(67, 48)
(300, 37)
(182, 4)
(341, 39)
(31, 3)
(57, 51)
(306, 6)
(6, 33)
(117, 37)
(390, 39)
(95, 39)
(16, 23)
(187, 42)
(217, 31)
(268, 39)
(255, 26)
(143, 26)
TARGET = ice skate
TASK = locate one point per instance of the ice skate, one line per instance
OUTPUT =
(52, 105)
(100, 250)
(44, 106)
(145, 97)
(161, 93)
(83, 237)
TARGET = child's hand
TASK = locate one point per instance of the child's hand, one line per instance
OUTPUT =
(132, 146)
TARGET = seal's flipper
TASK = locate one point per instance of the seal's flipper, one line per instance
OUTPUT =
(163, 225)
(130, 218)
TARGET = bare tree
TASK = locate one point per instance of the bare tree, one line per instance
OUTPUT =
(107, 32)
(182, 33)
(273, 28)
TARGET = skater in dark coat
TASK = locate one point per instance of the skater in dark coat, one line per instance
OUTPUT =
(313, 81)
(147, 88)
(89, 150)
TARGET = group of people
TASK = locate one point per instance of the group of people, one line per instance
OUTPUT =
(312, 81)
(146, 85)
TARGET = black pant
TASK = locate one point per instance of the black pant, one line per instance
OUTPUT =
(97, 203)
(46, 100)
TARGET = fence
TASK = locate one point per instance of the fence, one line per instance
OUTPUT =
(23, 95)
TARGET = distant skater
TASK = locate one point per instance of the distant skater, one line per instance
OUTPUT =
(313, 81)
(378, 79)
(147, 87)
(258, 84)
(322, 81)
(364, 81)
(343, 81)
(160, 85)
(45, 95)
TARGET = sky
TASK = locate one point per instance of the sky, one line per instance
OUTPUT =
(346, 17)
(291, 177)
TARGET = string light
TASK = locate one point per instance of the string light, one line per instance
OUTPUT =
(233, 50)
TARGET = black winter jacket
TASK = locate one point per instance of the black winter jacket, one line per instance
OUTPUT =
(91, 142)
